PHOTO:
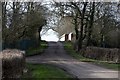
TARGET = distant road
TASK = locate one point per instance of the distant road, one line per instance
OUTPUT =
(55, 54)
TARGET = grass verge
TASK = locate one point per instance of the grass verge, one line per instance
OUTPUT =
(45, 72)
(69, 48)
(34, 51)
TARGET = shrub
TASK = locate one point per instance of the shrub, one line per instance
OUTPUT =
(105, 54)
(13, 63)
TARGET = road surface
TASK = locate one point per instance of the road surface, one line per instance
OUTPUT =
(55, 54)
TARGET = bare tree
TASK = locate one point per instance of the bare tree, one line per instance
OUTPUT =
(23, 20)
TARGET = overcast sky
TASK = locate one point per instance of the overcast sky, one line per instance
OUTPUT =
(50, 35)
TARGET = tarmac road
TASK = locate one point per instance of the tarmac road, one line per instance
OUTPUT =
(55, 54)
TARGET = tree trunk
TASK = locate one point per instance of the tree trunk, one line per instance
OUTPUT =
(4, 20)
(91, 24)
(80, 40)
(39, 36)
(76, 26)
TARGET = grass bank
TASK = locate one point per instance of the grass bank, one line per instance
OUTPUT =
(69, 48)
(45, 72)
(37, 50)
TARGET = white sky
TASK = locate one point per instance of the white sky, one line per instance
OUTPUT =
(50, 35)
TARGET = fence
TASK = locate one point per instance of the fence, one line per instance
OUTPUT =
(21, 44)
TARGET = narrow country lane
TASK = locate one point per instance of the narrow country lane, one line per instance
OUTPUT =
(55, 54)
